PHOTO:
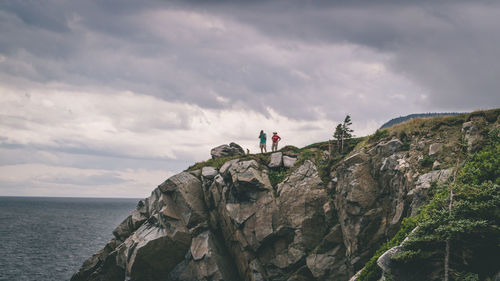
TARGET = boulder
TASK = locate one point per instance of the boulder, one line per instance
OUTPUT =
(143, 254)
(225, 150)
(209, 172)
(183, 195)
(384, 261)
(418, 194)
(435, 148)
(472, 135)
(208, 261)
(289, 162)
(247, 177)
(276, 160)
(389, 147)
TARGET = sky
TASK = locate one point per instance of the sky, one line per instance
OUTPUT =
(108, 98)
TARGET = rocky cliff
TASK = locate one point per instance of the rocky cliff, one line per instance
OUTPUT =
(293, 215)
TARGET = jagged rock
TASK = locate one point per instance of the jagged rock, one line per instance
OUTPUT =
(224, 169)
(101, 264)
(182, 194)
(436, 165)
(418, 195)
(209, 172)
(227, 150)
(276, 160)
(384, 261)
(389, 147)
(289, 162)
(143, 254)
(248, 178)
(231, 224)
(472, 135)
(432, 270)
(435, 148)
(208, 261)
(132, 222)
(439, 176)
(321, 265)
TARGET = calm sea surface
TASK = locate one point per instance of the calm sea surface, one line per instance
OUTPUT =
(44, 239)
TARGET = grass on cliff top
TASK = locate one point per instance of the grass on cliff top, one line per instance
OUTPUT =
(262, 158)
(313, 152)
(441, 125)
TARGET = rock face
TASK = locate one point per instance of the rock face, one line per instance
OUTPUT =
(276, 160)
(225, 150)
(230, 223)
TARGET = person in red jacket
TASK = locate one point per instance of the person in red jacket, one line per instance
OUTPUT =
(275, 139)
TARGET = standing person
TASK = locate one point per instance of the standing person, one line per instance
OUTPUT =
(275, 139)
(263, 139)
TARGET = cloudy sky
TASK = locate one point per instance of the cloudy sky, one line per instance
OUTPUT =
(102, 98)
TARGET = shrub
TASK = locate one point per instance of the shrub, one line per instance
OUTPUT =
(427, 161)
(277, 175)
(378, 135)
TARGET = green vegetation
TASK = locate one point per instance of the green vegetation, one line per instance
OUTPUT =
(277, 175)
(262, 158)
(343, 133)
(378, 135)
(426, 162)
(472, 228)
(372, 272)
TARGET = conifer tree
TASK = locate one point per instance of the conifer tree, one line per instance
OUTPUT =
(346, 131)
(343, 133)
(338, 135)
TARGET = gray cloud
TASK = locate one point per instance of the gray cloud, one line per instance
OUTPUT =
(449, 48)
(117, 85)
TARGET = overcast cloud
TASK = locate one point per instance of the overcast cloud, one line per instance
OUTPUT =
(109, 98)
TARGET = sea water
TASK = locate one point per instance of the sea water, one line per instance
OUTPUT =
(44, 238)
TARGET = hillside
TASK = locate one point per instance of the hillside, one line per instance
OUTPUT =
(402, 119)
(307, 214)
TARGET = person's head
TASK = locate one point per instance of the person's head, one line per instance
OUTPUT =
(261, 132)
(275, 133)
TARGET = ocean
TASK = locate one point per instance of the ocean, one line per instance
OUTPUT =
(44, 238)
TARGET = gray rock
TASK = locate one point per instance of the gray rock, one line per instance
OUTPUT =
(199, 246)
(225, 167)
(227, 150)
(183, 195)
(148, 241)
(435, 148)
(208, 261)
(418, 194)
(472, 135)
(231, 224)
(389, 147)
(384, 261)
(246, 176)
(209, 172)
(276, 160)
(289, 162)
(322, 265)
(439, 176)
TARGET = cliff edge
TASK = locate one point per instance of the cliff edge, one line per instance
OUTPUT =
(298, 214)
